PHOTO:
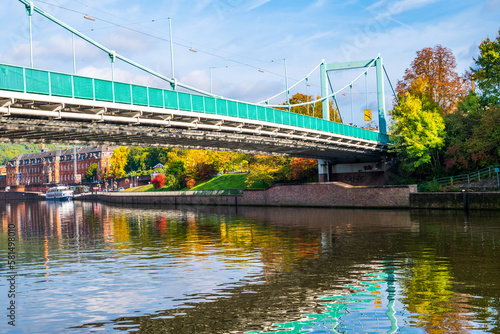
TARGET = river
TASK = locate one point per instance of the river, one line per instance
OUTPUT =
(84, 267)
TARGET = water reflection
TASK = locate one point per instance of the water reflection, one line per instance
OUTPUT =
(89, 267)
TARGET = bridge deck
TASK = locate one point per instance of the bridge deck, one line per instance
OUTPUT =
(48, 106)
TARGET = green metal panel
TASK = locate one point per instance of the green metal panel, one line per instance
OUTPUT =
(37, 81)
(293, 119)
(316, 123)
(83, 88)
(341, 129)
(232, 108)
(324, 125)
(301, 121)
(139, 95)
(261, 113)
(171, 99)
(60, 85)
(306, 122)
(278, 116)
(243, 110)
(103, 90)
(198, 104)
(286, 118)
(221, 107)
(122, 93)
(252, 111)
(11, 78)
(184, 101)
(155, 97)
(269, 115)
(210, 105)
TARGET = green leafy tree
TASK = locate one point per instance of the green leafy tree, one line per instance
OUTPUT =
(487, 70)
(417, 132)
(172, 182)
(92, 173)
(459, 129)
(268, 170)
(119, 161)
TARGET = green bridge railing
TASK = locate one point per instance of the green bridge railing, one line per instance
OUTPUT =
(27, 80)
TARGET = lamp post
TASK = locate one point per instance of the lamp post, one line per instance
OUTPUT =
(171, 52)
(286, 85)
(211, 68)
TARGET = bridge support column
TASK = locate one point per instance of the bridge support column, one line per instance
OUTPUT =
(323, 170)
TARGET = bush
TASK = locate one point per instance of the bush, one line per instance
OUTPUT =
(431, 186)
(190, 183)
(159, 181)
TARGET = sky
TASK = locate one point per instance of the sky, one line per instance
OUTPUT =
(245, 44)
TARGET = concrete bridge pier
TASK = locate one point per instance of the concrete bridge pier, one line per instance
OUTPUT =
(323, 170)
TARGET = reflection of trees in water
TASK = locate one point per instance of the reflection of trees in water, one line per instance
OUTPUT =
(427, 287)
(303, 252)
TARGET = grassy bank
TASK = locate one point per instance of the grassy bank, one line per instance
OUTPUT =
(235, 181)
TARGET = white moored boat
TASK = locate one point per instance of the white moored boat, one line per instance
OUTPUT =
(59, 193)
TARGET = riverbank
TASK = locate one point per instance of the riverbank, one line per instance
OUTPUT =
(456, 200)
(329, 195)
(321, 195)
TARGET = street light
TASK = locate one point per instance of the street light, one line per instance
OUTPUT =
(210, 69)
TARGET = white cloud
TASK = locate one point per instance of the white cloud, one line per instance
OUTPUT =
(405, 5)
(256, 4)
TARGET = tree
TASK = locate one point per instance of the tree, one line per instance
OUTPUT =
(172, 182)
(158, 181)
(119, 161)
(92, 173)
(436, 68)
(314, 110)
(268, 170)
(302, 169)
(487, 70)
(417, 132)
(459, 129)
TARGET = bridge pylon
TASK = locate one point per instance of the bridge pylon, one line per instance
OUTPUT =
(325, 68)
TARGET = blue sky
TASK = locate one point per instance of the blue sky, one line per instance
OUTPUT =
(239, 37)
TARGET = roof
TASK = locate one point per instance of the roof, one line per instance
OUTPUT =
(158, 166)
(58, 153)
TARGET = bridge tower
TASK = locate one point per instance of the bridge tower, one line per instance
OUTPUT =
(323, 165)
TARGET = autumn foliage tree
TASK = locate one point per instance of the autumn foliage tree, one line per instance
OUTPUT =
(302, 169)
(432, 73)
(158, 181)
(314, 109)
(119, 161)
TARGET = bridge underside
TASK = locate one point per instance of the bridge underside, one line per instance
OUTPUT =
(38, 118)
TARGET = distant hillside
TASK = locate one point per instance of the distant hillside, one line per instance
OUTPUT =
(9, 151)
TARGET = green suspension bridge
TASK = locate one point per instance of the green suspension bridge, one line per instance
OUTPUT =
(43, 106)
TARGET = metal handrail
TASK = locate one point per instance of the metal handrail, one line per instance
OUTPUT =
(476, 176)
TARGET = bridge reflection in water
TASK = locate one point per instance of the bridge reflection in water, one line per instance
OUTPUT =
(89, 266)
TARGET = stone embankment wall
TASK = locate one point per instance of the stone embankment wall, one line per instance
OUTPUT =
(21, 196)
(331, 195)
(305, 195)
(456, 200)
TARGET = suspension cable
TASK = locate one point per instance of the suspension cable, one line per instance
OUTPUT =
(390, 83)
(334, 93)
(304, 78)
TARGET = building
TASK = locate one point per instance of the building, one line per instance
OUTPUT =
(3, 177)
(58, 166)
